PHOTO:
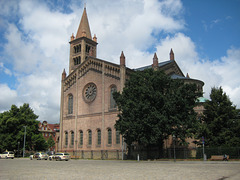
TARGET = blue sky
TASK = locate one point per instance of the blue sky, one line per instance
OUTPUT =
(34, 48)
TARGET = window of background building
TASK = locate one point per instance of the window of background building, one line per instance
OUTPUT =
(66, 138)
(99, 137)
(72, 138)
(70, 104)
(81, 138)
(89, 137)
(109, 136)
(113, 104)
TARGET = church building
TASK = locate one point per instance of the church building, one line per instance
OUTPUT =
(88, 111)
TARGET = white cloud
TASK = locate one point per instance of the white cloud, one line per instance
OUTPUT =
(7, 98)
(182, 46)
(22, 55)
(132, 26)
(229, 68)
(5, 70)
(223, 72)
(8, 8)
(48, 28)
(42, 91)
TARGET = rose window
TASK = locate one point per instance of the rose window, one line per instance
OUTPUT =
(90, 92)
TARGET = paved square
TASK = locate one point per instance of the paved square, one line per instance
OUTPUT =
(97, 169)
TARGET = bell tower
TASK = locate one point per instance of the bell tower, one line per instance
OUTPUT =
(83, 45)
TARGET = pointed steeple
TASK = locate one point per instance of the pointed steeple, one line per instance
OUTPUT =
(64, 74)
(187, 75)
(72, 37)
(155, 61)
(122, 59)
(171, 55)
(95, 38)
(84, 29)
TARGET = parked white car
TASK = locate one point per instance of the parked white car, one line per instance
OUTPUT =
(39, 156)
(60, 157)
(7, 155)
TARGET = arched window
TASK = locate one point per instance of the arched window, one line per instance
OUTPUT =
(81, 138)
(117, 137)
(89, 137)
(70, 104)
(113, 104)
(72, 138)
(98, 137)
(109, 136)
(66, 138)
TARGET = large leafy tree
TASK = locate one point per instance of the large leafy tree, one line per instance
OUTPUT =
(221, 121)
(153, 106)
(12, 129)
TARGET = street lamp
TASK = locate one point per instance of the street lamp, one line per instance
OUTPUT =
(24, 140)
(18, 148)
(174, 137)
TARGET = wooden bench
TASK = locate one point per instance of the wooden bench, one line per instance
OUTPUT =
(218, 157)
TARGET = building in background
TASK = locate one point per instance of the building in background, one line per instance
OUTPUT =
(48, 130)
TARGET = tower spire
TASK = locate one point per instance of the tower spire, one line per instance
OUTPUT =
(171, 55)
(84, 29)
(155, 61)
(122, 59)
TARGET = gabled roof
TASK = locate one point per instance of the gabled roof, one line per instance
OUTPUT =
(84, 26)
(150, 66)
(169, 67)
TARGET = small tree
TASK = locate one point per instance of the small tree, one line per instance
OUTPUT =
(39, 143)
(50, 142)
(221, 123)
(153, 106)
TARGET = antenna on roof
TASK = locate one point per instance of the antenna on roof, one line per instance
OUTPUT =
(84, 5)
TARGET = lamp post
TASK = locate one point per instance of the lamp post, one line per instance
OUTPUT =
(18, 148)
(174, 137)
(24, 140)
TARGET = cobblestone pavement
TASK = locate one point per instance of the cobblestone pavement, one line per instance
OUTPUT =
(103, 170)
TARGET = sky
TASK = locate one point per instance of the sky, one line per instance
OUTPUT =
(35, 35)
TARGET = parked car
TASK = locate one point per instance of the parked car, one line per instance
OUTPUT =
(39, 156)
(52, 157)
(60, 157)
(7, 155)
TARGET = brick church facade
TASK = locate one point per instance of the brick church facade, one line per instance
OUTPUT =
(88, 111)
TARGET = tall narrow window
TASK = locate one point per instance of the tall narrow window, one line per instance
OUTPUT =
(113, 104)
(70, 104)
(81, 138)
(117, 137)
(99, 137)
(72, 138)
(89, 137)
(109, 136)
(66, 138)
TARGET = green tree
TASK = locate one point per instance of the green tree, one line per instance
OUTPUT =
(153, 106)
(12, 129)
(50, 142)
(221, 123)
(38, 142)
